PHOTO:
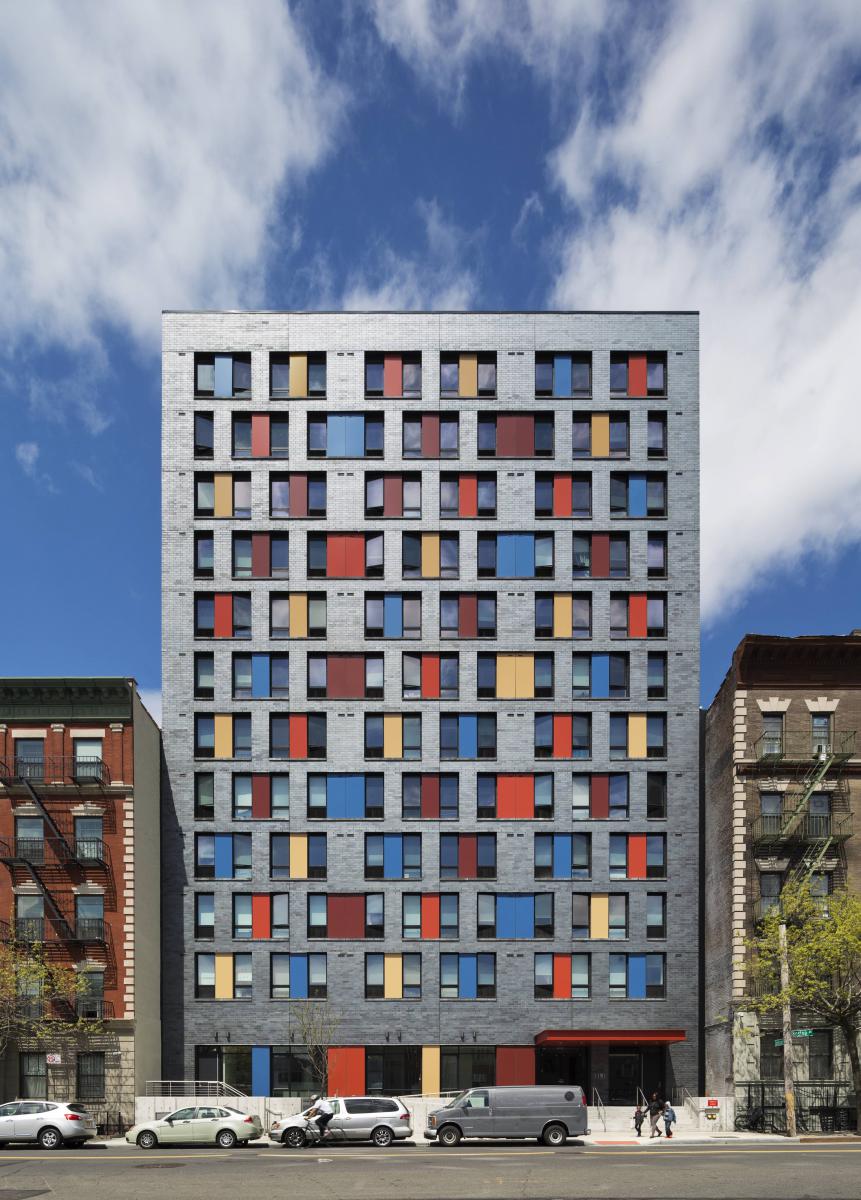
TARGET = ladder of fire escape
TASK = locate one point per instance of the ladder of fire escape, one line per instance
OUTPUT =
(62, 923)
(809, 784)
(47, 818)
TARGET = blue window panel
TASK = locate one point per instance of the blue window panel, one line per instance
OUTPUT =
(393, 616)
(636, 976)
(601, 676)
(506, 916)
(506, 556)
(561, 855)
(223, 376)
(467, 977)
(298, 976)
(354, 797)
(260, 1070)
(336, 797)
(224, 856)
(355, 435)
(525, 556)
(467, 736)
(525, 918)
(636, 495)
(562, 375)
(336, 437)
(260, 675)
(393, 856)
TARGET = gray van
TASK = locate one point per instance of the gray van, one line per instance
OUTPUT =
(550, 1114)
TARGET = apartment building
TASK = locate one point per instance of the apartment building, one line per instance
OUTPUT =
(431, 673)
(782, 797)
(80, 767)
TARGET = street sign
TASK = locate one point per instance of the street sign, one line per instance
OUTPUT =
(54, 1060)
(778, 1041)
(802, 1033)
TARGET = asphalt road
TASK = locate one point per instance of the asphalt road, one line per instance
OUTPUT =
(475, 1172)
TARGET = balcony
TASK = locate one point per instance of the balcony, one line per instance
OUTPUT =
(777, 832)
(803, 747)
(93, 1008)
(55, 771)
(39, 852)
(90, 929)
(29, 929)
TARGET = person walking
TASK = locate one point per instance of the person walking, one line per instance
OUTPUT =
(639, 1118)
(669, 1118)
(656, 1109)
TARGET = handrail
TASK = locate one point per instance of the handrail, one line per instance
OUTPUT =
(192, 1087)
(642, 1099)
(62, 769)
(600, 1107)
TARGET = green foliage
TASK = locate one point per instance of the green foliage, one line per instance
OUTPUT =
(38, 998)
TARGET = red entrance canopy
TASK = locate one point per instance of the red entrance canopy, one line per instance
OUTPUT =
(614, 1037)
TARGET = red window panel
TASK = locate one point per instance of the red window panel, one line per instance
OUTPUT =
(561, 976)
(515, 437)
(261, 556)
(299, 495)
(430, 437)
(430, 917)
(563, 733)
(599, 797)
(562, 496)
(260, 435)
(467, 856)
(637, 856)
(600, 556)
(506, 797)
(299, 736)
(637, 385)
(223, 621)
(515, 1066)
(261, 797)
(467, 496)
(345, 676)
(637, 615)
(393, 496)
(345, 916)
(354, 556)
(346, 1075)
(525, 797)
(261, 916)
(430, 798)
(430, 676)
(334, 556)
(468, 616)
(393, 375)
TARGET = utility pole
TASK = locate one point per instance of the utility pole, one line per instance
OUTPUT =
(788, 1064)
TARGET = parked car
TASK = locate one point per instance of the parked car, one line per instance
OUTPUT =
(50, 1123)
(550, 1114)
(214, 1125)
(378, 1119)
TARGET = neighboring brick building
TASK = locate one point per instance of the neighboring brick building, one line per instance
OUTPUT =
(80, 764)
(431, 671)
(782, 795)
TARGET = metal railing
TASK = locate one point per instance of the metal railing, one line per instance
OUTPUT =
(90, 929)
(599, 1107)
(62, 769)
(29, 929)
(803, 746)
(820, 1107)
(40, 852)
(192, 1087)
(811, 827)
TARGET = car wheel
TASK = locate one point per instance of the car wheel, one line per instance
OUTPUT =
(294, 1138)
(382, 1136)
(49, 1138)
(147, 1140)
(226, 1139)
(449, 1135)
(554, 1135)
(2, 1145)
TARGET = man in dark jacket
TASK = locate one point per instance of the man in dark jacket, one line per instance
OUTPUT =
(656, 1111)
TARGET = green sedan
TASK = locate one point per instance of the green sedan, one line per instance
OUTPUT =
(211, 1126)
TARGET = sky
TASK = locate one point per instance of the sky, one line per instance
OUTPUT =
(496, 154)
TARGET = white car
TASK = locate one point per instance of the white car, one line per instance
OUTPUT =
(377, 1119)
(51, 1124)
(212, 1125)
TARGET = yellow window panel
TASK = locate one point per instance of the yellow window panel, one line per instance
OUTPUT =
(430, 1070)
(506, 676)
(223, 735)
(637, 735)
(525, 667)
(298, 856)
(298, 615)
(468, 375)
(223, 506)
(298, 374)
(393, 736)
(393, 977)
(599, 916)
(224, 977)
(563, 616)
(600, 435)
(430, 556)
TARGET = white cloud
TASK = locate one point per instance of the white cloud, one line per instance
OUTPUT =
(531, 207)
(151, 700)
(143, 149)
(27, 454)
(88, 475)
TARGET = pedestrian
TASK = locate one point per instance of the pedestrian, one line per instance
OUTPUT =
(669, 1118)
(639, 1118)
(656, 1109)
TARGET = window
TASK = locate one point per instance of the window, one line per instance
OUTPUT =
(241, 439)
(656, 735)
(637, 976)
(204, 984)
(656, 675)
(821, 730)
(393, 856)
(772, 733)
(770, 883)
(429, 797)
(770, 1056)
(241, 915)
(90, 1075)
(204, 916)
(656, 435)
(204, 796)
(204, 435)
(204, 555)
(430, 555)
(820, 1049)
(469, 735)
(563, 856)
(32, 1076)
(656, 915)
(656, 556)
(467, 976)
(656, 795)
(563, 374)
(656, 856)
(222, 375)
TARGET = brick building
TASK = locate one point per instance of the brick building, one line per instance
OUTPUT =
(782, 797)
(431, 669)
(79, 848)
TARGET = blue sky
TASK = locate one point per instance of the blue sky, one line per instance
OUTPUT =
(425, 153)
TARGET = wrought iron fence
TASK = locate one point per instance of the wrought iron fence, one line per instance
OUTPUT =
(820, 1107)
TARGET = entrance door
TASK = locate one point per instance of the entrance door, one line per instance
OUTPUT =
(624, 1076)
(564, 1064)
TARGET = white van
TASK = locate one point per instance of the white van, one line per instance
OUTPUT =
(550, 1114)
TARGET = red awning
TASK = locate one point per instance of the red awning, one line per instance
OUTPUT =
(613, 1037)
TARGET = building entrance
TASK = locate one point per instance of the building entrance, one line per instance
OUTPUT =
(564, 1064)
(635, 1067)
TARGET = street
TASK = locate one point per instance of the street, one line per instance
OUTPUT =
(491, 1171)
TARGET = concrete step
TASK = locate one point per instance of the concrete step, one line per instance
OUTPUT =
(620, 1119)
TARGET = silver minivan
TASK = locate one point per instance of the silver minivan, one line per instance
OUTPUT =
(51, 1124)
(378, 1119)
(550, 1114)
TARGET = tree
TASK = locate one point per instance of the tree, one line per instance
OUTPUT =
(317, 1023)
(38, 998)
(823, 943)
